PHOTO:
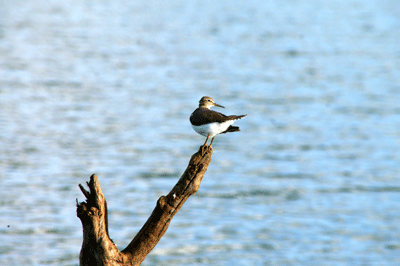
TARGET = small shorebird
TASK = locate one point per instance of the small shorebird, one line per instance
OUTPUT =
(209, 123)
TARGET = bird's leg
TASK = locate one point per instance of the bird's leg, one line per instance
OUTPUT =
(211, 141)
(205, 143)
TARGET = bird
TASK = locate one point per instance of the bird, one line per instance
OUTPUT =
(210, 123)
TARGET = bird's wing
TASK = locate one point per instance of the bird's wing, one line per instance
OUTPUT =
(207, 116)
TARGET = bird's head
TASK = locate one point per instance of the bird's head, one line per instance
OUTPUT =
(208, 102)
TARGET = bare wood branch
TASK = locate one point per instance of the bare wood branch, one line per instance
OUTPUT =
(98, 248)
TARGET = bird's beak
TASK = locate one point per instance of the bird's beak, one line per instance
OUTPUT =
(216, 104)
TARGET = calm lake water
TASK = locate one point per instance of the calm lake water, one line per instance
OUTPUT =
(107, 88)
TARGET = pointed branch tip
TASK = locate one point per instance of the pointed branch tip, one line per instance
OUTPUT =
(84, 191)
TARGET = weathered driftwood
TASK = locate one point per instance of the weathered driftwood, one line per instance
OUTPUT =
(99, 249)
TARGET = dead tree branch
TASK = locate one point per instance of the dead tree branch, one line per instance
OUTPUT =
(99, 249)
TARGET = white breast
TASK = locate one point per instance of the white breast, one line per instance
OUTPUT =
(212, 129)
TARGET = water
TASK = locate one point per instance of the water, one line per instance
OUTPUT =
(107, 88)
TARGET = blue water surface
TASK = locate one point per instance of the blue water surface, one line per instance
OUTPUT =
(107, 88)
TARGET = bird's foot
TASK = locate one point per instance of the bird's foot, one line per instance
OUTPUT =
(204, 148)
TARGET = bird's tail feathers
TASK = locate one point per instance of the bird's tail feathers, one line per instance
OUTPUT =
(231, 129)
